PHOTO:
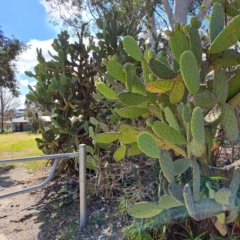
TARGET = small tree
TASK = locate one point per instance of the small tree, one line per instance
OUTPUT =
(7, 103)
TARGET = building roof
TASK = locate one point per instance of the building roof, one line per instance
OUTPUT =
(20, 120)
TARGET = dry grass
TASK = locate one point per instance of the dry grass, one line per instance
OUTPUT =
(19, 145)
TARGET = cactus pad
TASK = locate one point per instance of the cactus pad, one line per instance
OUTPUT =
(223, 41)
(107, 137)
(220, 86)
(171, 119)
(154, 110)
(176, 191)
(205, 99)
(131, 99)
(115, 69)
(177, 92)
(175, 148)
(144, 210)
(148, 145)
(120, 153)
(196, 149)
(127, 138)
(234, 101)
(196, 180)
(160, 70)
(167, 201)
(217, 21)
(229, 123)
(125, 129)
(232, 216)
(221, 217)
(133, 150)
(213, 115)
(178, 44)
(164, 131)
(131, 47)
(181, 165)
(106, 91)
(138, 85)
(190, 72)
(166, 164)
(222, 196)
(132, 112)
(160, 86)
(186, 114)
(234, 86)
(197, 126)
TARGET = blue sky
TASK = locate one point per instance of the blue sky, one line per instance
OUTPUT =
(27, 20)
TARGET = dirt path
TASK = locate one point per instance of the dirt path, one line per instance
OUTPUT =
(19, 214)
(52, 213)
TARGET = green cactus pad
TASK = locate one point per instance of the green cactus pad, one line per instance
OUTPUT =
(160, 86)
(232, 216)
(177, 92)
(234, 101)
(190, 72)
(127, 138)
(138, 85)
(197, 126)
(167, 201)
(154, 110)
(222, 196)
(188, 199)
(209, 140)
(126, 129)
(145, 70)
(131, 47)
(106, 91)
(213, 115)
(196, 149)
(107, 137)
(176, 191)
(160, 70)
(131, 99)
(186, 114)
(210, 189)
(235, 184)
(196, 180)
(133, 150)
(164, 131)
(181, 165)
(221, 217)
(205, 99)
(223, 41)
(220, 86)
(148, 145)
(229, 123)
(171, 119)
(234, 86)
(178, 44)
(144, 210)
(195, 43)
(179, 113)
(175, 148)
(115, 69)
(166, 164)
(227, 58)
(204, 70)
(132, 112)
(217, 21)
(120, 153)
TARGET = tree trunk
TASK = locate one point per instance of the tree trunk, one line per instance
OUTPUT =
(152, 29)
(181, 10)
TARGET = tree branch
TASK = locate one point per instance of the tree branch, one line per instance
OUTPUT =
(202, 12)
(169, 13)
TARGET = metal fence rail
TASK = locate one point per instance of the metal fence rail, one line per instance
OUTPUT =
(82, 177)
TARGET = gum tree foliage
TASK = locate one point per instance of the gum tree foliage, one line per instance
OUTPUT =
(10, 49)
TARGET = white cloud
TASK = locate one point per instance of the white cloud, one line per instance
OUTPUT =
(28, 59)
(26, 82)
(21, 99)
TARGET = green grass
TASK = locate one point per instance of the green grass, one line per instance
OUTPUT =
(20, 145)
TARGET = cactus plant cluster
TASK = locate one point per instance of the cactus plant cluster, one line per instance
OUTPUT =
(182, 111)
